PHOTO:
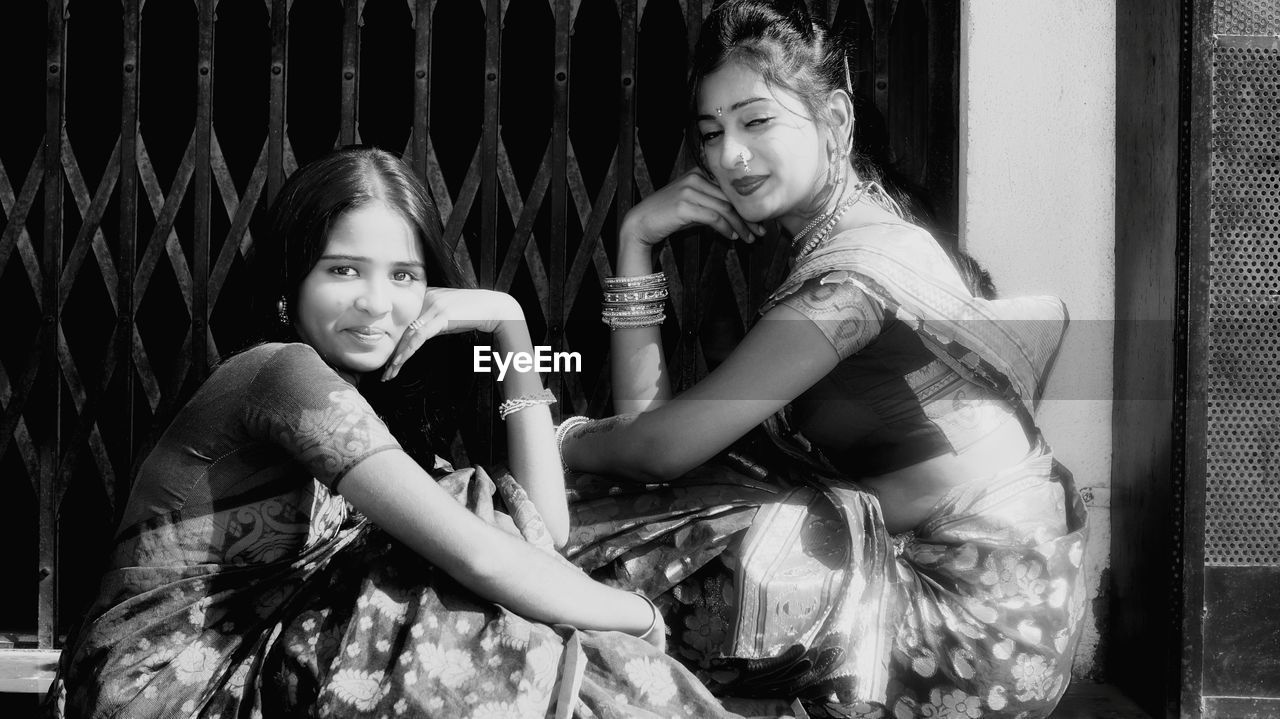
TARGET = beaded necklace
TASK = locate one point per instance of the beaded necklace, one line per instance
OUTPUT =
(799, 236)
(832, 218)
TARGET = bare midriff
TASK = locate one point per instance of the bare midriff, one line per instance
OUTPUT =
(908, 495)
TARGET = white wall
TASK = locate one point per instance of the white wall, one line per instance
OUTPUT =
(1037, 208)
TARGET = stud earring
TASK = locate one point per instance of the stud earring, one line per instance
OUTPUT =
(282, 310)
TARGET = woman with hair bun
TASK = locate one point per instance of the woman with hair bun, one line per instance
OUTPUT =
(855, 511)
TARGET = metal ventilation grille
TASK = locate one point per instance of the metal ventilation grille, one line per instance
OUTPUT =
(1246, 17)
(1243, 493)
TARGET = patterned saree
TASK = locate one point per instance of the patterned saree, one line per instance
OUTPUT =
(778, 577)
(354, 626)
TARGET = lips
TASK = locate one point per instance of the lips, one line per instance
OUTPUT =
(365, 335)
(749, 184)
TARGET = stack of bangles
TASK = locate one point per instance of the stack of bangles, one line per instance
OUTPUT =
(525, 401)
(632, 302)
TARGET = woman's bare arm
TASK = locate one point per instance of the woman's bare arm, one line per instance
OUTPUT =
(638, 365)
(530, 439)
(782, 356)
(639, 369)
(396, 494)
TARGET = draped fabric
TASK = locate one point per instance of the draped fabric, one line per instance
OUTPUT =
(1007, 344)
(278, 600)
(779, 579)
(797, 590)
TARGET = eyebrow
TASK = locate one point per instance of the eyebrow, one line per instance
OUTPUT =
(737, 106)
(358, 258)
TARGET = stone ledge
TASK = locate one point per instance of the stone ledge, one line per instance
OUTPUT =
(27, 670)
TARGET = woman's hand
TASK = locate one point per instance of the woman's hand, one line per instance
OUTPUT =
(689, 200)
(446, 310)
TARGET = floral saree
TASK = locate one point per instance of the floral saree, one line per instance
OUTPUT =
(357, 626)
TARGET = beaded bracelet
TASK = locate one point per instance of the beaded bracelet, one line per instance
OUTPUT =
(525, 401)
(631, 323)
(632, 310)
(655, 279)
(562, 432)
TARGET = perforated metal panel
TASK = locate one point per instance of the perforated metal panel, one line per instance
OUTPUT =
(1246, 17)
(1243, 478)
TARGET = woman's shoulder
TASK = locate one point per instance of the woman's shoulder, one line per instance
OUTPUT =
(275, 363)
(894, 249)
(896, 235)
(265, 353)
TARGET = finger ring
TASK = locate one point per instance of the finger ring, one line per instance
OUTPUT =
(416, 324)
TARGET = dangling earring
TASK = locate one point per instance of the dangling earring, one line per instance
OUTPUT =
(282, 310)
(841, 156)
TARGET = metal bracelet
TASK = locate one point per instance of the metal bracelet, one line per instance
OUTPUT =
(525, 401)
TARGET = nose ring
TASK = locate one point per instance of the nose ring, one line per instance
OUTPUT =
(742, 160)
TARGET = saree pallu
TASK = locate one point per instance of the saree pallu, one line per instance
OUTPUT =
(793, 588)
(356, 625)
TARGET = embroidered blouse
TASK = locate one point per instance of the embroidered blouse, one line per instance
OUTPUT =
(249, 464)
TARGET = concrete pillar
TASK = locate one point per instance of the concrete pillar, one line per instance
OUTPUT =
(1037, 208)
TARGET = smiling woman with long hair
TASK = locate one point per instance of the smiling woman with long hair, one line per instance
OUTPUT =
(282, 554)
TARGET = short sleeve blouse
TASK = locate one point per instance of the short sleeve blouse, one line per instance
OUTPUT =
(847, 316)
(299, 403)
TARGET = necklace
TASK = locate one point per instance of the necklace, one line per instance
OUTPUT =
(809, 227)
(832, 218)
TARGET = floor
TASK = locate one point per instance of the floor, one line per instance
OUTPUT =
(1096, 701)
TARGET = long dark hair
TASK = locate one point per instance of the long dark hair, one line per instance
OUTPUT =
(420, 405)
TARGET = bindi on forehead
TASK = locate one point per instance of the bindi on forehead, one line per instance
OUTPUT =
(720, 110)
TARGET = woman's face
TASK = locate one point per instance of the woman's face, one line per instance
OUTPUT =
(741, 118)
(363, 292)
